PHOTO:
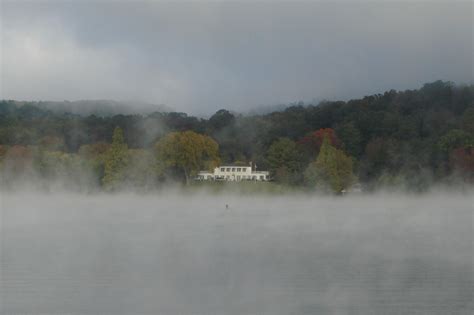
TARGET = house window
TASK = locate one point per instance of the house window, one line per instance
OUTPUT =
(238, 169)
(233, 169)
(228, 169)
(222, 169)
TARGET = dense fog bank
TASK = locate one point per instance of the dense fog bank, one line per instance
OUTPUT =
(175, 253)
(82, 183)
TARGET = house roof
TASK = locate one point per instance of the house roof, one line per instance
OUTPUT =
(233, 166)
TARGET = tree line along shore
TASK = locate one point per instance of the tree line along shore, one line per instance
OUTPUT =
(411, 139)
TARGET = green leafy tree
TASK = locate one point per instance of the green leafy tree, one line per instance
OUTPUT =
(351, 138)
(188, 152)
(377, 158)
(454, 139)
(468, 120)
(221, 119)
(94, 156)
(116, 161)
(332, 169)
(285, 160)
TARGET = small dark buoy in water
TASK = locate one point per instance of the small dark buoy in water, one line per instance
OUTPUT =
(227, 206)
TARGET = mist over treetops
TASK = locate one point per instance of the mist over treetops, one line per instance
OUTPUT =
(412, 138)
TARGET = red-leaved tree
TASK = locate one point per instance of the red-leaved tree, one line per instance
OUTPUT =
(311, 143)
(18, 159)
(462, 159)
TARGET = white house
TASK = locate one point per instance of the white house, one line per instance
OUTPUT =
(234, 173)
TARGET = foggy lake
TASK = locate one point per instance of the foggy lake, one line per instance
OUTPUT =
(174, 254)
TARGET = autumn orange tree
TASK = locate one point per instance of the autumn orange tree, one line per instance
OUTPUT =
(187, 151)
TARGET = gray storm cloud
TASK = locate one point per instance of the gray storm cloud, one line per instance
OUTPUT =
(202, 56)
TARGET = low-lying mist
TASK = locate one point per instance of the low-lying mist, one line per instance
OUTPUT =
(226, 253)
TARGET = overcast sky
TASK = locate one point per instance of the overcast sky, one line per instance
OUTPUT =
(202, 56)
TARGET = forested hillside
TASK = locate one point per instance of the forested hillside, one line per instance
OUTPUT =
(410, 138)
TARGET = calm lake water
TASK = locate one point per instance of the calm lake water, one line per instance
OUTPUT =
(170, 254)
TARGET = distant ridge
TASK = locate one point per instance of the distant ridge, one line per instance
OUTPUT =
(102, 108)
